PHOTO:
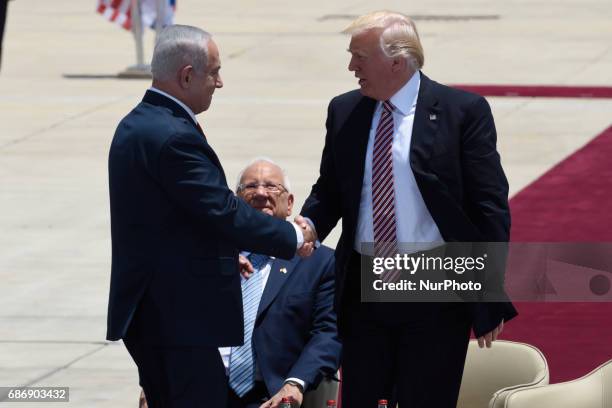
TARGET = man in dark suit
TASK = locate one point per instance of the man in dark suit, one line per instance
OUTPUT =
(292, 335)
(176, 228)
(406, 160)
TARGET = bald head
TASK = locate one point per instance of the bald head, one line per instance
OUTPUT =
(264, 186)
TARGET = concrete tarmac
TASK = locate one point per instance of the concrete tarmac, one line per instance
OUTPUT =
(282, 62)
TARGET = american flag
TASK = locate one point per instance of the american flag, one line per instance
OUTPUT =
(120, 12)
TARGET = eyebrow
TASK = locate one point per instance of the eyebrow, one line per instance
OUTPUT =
(358, 52)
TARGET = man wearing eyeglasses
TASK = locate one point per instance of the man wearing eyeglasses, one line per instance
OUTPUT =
(294, 340)
(291, 340)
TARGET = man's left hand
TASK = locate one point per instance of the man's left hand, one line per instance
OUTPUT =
(491, 336)
(246, 269)
(288, 390)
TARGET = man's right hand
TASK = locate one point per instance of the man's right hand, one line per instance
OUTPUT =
(310, 237)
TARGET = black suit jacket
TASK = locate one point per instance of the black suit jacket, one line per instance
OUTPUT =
(295, 332)
(176, 228)
(455, 163)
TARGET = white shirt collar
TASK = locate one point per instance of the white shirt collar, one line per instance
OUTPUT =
(406, 97)
(181, 104)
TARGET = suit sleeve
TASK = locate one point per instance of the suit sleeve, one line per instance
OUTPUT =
(486, 186)
(197, 185)
(486, 190)
(323, 205)
(321, 355)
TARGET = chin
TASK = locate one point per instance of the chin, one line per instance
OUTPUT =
(365, 92)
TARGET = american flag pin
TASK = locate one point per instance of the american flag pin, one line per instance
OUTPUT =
(432, 116)
(283, 270)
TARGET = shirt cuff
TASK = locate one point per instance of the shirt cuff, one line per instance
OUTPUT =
(299, 235)
(297, 380)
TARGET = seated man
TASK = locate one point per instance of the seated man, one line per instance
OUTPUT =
(291, 339)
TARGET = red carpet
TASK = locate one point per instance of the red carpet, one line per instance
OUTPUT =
(539, 90)
(572, 202)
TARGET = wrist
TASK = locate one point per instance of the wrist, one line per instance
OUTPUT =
(295, 384)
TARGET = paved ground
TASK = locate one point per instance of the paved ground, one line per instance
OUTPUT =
(281, 64)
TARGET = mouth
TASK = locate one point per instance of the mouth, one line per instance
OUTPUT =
(263, 208)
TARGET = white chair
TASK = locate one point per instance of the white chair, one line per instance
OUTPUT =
(489, 374)
(594, 390)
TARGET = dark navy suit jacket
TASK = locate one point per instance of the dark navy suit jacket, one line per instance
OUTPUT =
(295, 332)
(176, 229)
(455, 163)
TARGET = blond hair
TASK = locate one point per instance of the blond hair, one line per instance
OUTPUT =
(399, 36)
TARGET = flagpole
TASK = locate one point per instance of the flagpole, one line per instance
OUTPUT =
(140, 70)
(161, 16)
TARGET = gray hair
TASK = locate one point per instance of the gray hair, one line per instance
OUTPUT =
(399, 37)
(263, 159)
(177, 46)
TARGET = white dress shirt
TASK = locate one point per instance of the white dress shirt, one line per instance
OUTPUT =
(413, 220)
(227, 351)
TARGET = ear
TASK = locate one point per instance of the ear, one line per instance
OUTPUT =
(186, 76)
(289, 204)
(398, 64)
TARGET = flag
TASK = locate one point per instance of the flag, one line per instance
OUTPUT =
(120, 12)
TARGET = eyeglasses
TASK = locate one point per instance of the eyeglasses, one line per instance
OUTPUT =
(271, 188)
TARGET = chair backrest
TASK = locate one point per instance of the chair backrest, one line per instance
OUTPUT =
(317, 398)
(489, 372)
(594, 390)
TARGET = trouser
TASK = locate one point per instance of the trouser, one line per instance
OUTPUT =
(178, 377)
(411, 353)
(252, 399)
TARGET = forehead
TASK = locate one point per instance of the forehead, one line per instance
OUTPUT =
(213, 53)
(368, 40)
(262, 171)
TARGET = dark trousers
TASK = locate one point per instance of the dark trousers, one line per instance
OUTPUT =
(178, 377)
(252, 399)
(3, 4)
(410, 353)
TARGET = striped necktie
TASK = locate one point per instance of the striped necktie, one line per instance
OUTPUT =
(383, 191)
(242, 366)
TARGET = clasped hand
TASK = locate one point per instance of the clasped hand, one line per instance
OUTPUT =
(310, 237)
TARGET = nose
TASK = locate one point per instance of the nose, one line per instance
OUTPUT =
(261, 191)
(219, 83)
(352, 66)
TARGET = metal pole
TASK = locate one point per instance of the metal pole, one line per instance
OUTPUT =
(137, 31)
(140, 70)
(161, 16)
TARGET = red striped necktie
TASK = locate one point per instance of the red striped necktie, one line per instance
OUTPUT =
(383, 191)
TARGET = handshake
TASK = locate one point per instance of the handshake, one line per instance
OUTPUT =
(307, 248)
(310, 237)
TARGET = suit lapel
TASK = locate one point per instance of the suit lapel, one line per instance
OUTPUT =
(426, 119)
(279, 273)
(356, 141)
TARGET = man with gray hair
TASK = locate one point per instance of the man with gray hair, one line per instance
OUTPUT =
(406, 160)
(176, 227)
